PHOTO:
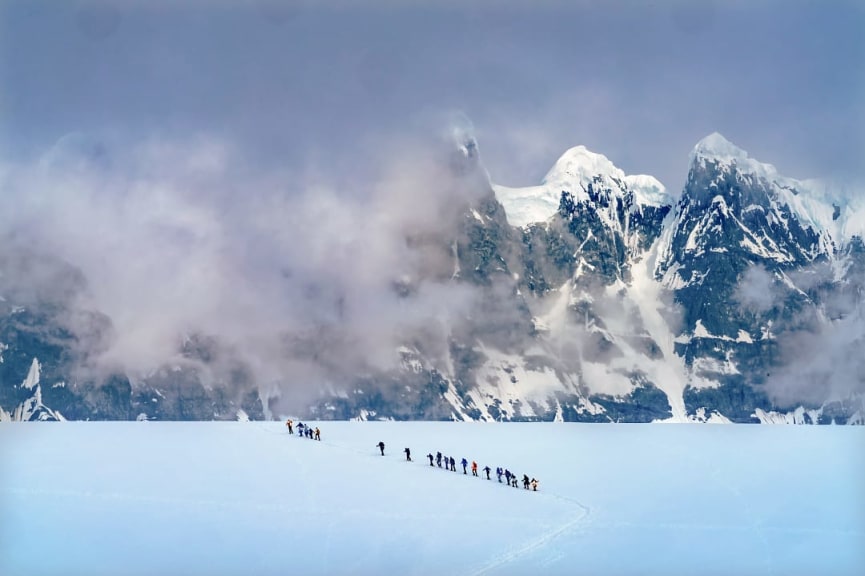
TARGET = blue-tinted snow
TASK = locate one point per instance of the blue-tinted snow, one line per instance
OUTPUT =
(245, 498)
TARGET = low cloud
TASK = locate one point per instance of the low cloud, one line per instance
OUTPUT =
(819, 328)
(825, 364)
(309, 282)
(756, 290)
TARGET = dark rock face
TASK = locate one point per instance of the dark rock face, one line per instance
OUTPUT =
(750, 274)
(616, 308)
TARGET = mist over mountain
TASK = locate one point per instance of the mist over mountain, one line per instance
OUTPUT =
(171, 281)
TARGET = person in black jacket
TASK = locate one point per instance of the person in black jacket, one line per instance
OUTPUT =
(407, 455)
(381, 447)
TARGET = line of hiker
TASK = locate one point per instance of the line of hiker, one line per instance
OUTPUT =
(303, 430)
(449, 463)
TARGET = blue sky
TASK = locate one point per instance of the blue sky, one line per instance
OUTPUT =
(325, 84)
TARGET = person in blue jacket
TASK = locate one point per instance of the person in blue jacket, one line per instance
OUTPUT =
(465, 463)
(439, 459)
(430, 456)
(499, 472)
(453, 464)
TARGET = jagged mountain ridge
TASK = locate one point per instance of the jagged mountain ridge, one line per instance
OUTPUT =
(603, 300)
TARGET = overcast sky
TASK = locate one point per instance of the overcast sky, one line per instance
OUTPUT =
(323, 83)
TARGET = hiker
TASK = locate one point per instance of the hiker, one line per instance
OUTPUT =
(534, 485)
(453, 464)
(508, 476)
(474, 468)
(430, 456)
(439, 459)
(407, 455)
(465, 463)
(487, 470)
(525, 481)
(499, 473)
(317, 434)
(300, 428)
(289, 424)
(381, 447)
(514, 481)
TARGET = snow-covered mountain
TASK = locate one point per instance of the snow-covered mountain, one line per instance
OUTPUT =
(575, 173)
(599, 296)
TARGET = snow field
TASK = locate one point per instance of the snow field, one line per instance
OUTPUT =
(230, 498)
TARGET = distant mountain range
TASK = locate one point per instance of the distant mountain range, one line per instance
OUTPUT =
(604, 297)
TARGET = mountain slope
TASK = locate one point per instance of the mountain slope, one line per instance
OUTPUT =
(594, 296)
(753, 259)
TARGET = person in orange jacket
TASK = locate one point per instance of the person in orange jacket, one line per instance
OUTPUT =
(289, 423)
(474, 468)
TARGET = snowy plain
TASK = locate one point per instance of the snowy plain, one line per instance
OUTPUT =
(169, 498)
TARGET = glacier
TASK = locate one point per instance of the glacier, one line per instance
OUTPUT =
(130, 498)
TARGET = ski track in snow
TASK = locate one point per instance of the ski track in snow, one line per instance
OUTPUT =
(530, 546)
(537, 543)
